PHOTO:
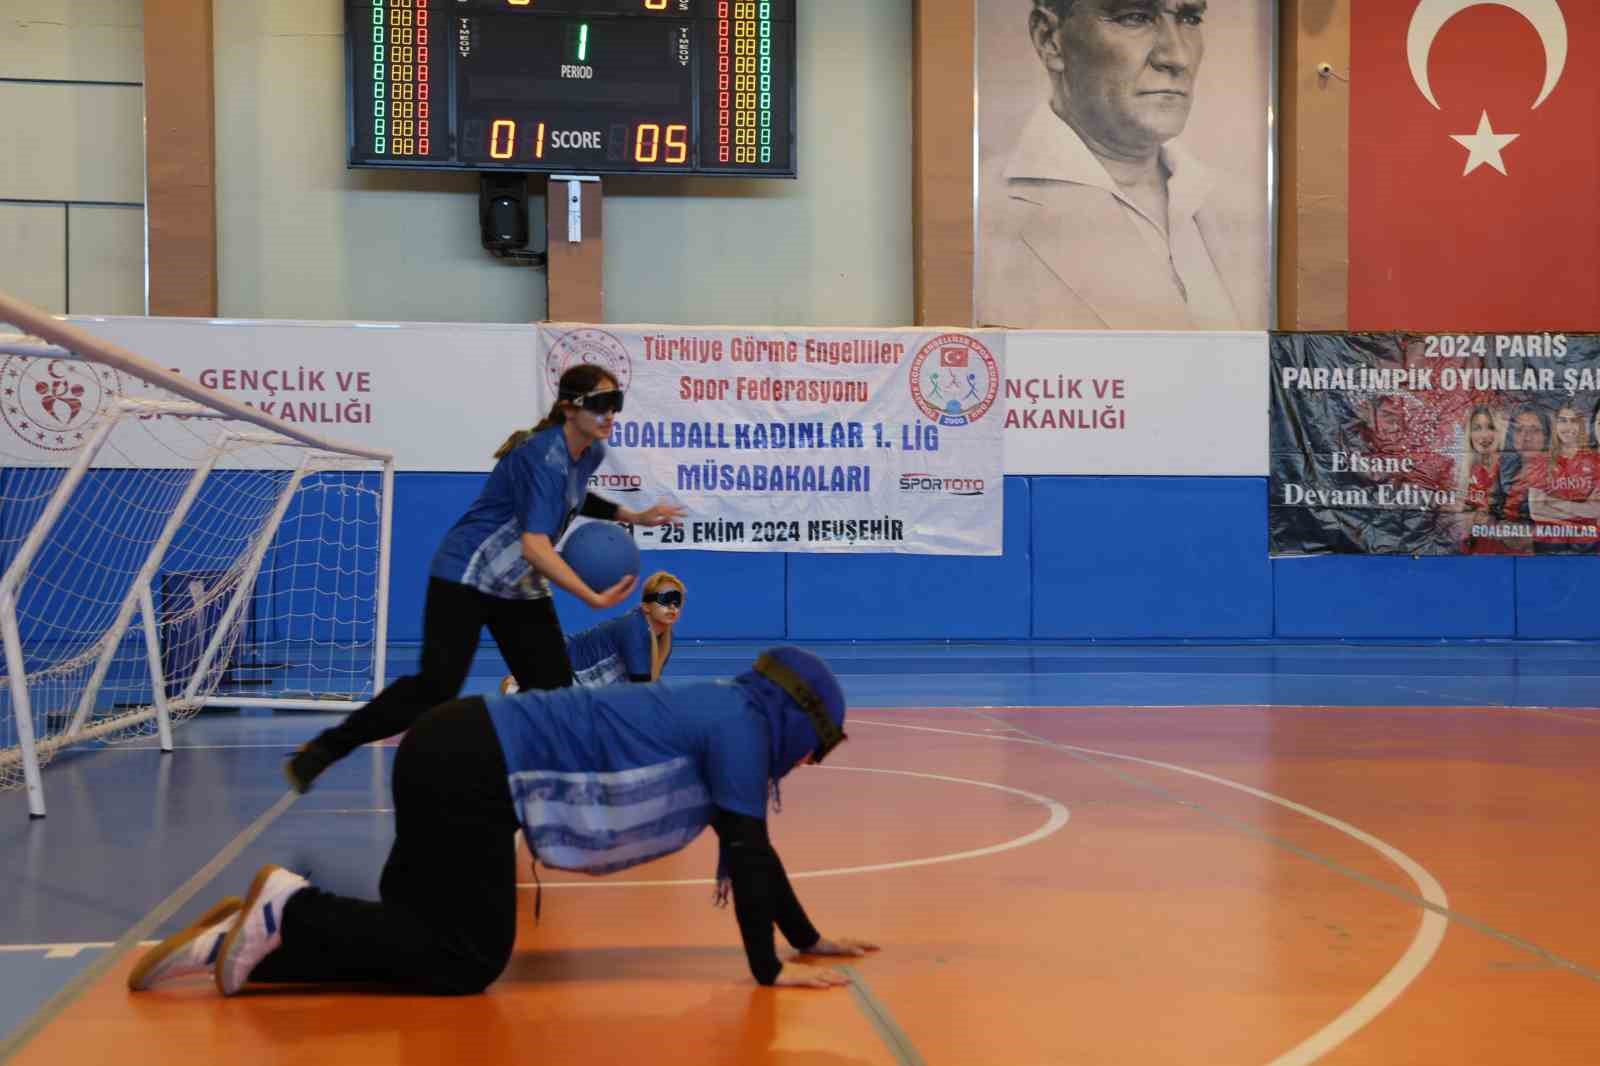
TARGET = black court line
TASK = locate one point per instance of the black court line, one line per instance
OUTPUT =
(889, 1031)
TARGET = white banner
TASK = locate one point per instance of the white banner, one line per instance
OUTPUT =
(443, 396)
(439, 396)
(1136, 403)
(803, 440)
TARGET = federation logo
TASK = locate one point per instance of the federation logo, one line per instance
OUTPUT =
(588, 346)
(960, 385)
(52, 404)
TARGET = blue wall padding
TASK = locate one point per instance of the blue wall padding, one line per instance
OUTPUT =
(917, 597)
(1558, 598)
(425, 507)
(1357, 597)
(1150, 558)
(1086, 558)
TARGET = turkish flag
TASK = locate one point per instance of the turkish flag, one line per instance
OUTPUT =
(953, 357)
(1440, 239)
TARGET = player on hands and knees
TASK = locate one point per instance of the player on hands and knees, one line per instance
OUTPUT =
(573, 767)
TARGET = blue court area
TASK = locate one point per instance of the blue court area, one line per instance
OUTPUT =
(130, 827)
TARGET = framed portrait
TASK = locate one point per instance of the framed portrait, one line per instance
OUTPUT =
(1125, 164)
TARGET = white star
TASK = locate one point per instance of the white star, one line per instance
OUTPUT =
(1484, 146)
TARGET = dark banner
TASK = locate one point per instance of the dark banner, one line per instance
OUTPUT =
(1434, 444)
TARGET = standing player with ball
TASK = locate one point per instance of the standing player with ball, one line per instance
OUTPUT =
(478, 574)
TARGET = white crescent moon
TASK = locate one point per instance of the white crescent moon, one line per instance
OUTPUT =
(1431, 15)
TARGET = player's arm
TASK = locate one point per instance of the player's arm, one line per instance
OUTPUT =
(658, 514)
(599, 507)
(763, 897)
(636, 644)
(1544, 507)
(543, 557)
(762, 894)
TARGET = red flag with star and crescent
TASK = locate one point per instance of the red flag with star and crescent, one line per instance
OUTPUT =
(1481, 213)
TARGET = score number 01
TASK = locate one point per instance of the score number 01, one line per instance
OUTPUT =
(652, 142)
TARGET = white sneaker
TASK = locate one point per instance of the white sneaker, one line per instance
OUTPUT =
(258, 929)
(192, 951)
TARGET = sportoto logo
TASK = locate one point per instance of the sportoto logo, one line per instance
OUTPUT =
(939, 485)
(954, 379)
(52, 403)
(588, 346)
(617, 482)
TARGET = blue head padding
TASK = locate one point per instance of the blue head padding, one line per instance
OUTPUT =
(802, 701)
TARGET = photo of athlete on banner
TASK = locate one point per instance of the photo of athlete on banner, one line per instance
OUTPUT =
(1435, 445)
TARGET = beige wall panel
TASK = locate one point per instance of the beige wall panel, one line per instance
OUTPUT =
(33, 254)
(105, 260)
(72, 142)
(299, 235)
(72, 40)
(831, 248)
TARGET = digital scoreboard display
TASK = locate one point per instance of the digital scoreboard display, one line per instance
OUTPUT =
(573, 86)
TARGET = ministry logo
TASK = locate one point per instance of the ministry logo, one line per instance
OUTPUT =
(52, 403)
(587, 345)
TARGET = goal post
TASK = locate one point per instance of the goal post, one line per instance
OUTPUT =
(164, 548)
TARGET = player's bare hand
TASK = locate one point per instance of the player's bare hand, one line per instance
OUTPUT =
(842, 946)
(615, 594)
(799, 975)
(660, 514)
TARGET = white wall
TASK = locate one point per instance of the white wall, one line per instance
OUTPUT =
(302, 236)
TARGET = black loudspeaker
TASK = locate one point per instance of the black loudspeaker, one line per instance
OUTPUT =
(503, 211)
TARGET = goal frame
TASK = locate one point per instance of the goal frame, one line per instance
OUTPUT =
(46, 336)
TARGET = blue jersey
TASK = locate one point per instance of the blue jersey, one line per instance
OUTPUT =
(536, 488)
(614, 651)
(607, 778)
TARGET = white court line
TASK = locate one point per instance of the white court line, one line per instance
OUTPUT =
(286, 744)
(1547, 712)
(65, 951)
(1058, 818)
(1430, 931)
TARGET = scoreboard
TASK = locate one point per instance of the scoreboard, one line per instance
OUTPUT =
(575, 86)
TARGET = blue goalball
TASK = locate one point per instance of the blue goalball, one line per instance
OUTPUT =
(602, 553)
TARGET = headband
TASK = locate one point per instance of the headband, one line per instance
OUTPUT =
(829, 733)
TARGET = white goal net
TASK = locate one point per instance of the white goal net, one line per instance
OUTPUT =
(164, 548)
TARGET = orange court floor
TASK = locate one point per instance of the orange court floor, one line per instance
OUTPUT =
(1050, 884)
